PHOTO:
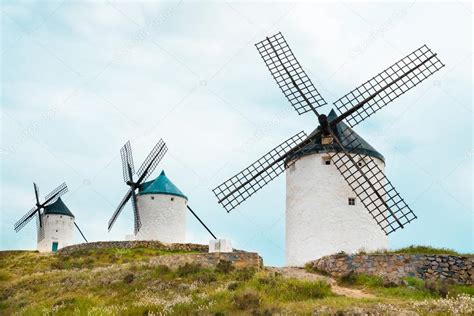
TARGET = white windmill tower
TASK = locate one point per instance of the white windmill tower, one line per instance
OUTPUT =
(159, 207)
(55, 222)
(337, 196)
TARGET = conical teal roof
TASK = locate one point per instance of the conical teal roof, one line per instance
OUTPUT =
(161, 185)
(316, 147)
(58, 208)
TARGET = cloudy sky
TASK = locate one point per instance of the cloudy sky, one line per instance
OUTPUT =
(79, 79)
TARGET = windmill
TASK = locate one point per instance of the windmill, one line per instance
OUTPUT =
(338, 197)
(53, 230)
(159, 202)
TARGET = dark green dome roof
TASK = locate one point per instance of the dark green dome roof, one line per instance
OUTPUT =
(317, 147)
(161, 185)
(58, 208)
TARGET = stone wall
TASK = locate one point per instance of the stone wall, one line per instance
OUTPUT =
(210, 260)
(134, 244)
(393, 267)
(239, 259)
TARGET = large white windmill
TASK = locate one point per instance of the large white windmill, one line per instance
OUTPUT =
(337, 196)
(55, 222)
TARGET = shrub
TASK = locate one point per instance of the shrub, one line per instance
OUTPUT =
(437, 287)
(58, 265)
(129, 278)
(298, 290)
(244, 274)
(205, 276)
(353, 278)
(246, 299)
(162, 269)
(233, 286)
(224, 266)
(188, 268)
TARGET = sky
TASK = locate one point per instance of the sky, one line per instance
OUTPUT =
(79, 79)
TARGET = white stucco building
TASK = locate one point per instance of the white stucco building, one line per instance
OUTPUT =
(162, 209)
(58, 227)
(323, 215)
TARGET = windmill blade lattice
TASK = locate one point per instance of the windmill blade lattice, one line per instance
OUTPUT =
(152, 160)
(25, 219)
(136, 215)
(120, 208)
(127, 161)
(55, 194)
(244, 184)
(40, 226)
(389, 84)
(36, 193)
(371, 186)
(287, 72)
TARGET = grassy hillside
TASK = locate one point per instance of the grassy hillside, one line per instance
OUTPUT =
(122, 282)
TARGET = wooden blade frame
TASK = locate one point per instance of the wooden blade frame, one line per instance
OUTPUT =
(370, 185)
(244, 184)
(151, 161)
(388, 85)
(128, 167)
(289, 75)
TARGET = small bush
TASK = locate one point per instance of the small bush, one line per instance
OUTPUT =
(353, 278)
(224, 266)
(205, 276)
(246, 299)
(57, 265)
(233, 286)
(129, 278)
(244, 274)
(437, 287)
(298, 290)
(188, 269)
(162, 269)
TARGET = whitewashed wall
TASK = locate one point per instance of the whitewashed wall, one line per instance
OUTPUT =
(163, 218)
(319, 220)
(57, 228)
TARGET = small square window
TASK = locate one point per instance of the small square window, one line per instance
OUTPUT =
(152, 197)
(172, 199)
(326, 161)
(352, 201)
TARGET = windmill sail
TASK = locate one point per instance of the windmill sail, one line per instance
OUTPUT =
(288, 74)
(247, 182)
(388, 85)
(370, 185)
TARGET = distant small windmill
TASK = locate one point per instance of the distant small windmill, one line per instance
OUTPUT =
(323, 213)
(55, 222)
(161, 204)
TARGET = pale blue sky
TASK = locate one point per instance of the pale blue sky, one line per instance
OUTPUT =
(79, 79)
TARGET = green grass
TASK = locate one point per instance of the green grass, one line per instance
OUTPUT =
(412, 288)
(123, 282)
(422, 250)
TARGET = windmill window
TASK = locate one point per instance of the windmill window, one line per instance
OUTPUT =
(172, 199)
(352, 201)
(326, 161)
(60, 216)
(152, 197)
(56, 230)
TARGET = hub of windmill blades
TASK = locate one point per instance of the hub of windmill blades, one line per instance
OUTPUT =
(391, 212)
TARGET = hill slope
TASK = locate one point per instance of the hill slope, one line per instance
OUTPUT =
(122, 281)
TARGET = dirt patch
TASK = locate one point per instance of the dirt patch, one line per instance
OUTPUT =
(302, 274)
